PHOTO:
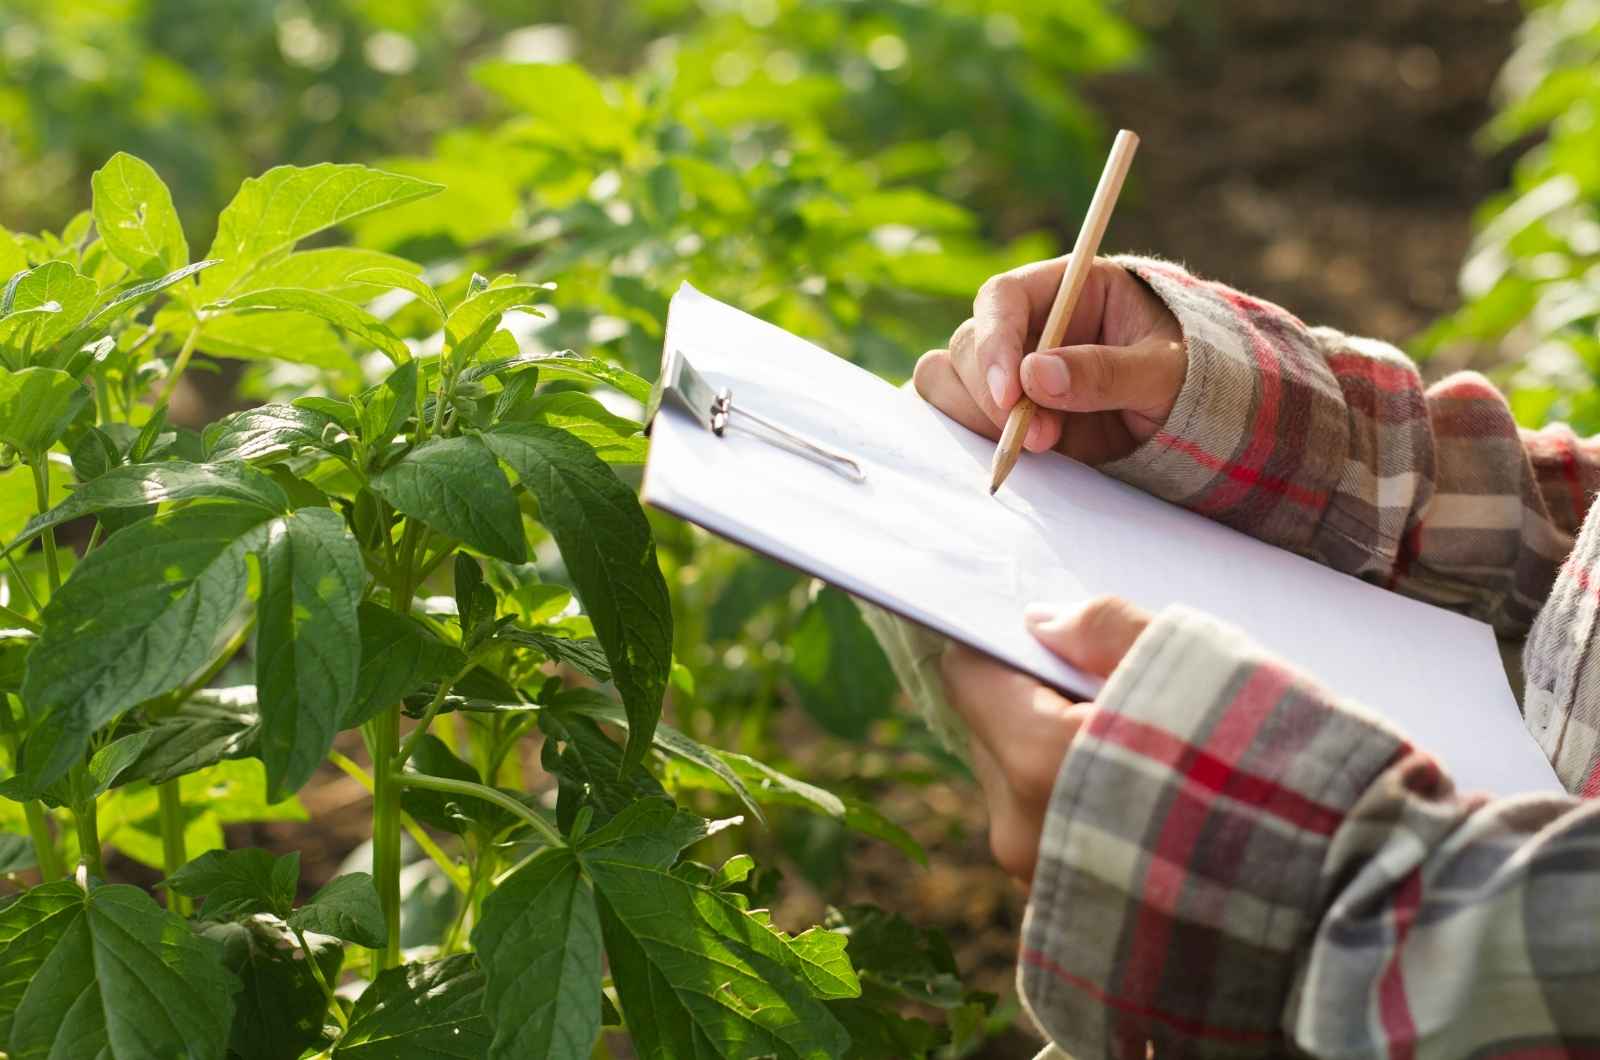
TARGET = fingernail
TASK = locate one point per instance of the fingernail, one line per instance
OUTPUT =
(1036, 615)
(1051, 375)
(997, 384)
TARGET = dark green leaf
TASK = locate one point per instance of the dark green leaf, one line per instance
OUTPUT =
(273, 212)
(539, 945)
(239, 883)
(451, 813)
(456, 487)
(755, 583)
(398, 656)
(16, 855)
(420, 1012)
(137, 486)
(30, 928)
(281, 1008)
(121, 977)
(839, 669)
(589, 767)
(359, 323)
(214, 725)
(650, 832)
(597, 705)
(346, 908)
(36, 406)
(388, 406)
(475, 601)
(582, 653)
(891, 952)
(269, 431)
(609, 552)
(94, 454)
(307, 642)
(134, 215)
(139, 615)
(666, 938)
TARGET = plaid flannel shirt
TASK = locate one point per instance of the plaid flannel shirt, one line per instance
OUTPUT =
(1236, 863)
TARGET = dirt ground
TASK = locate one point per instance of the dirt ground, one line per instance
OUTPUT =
(1318, 154)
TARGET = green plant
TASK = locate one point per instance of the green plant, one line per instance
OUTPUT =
(359, 556)
(1532, 277)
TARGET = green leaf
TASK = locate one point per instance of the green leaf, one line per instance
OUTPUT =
(400, 279)
(650, 832)
(281, 1007)
(500, 357)
(420, 1012)
(563, 97)
(30, 928)
(134, 215)
(115, 976)
(36, 407)
(352, 319)
(273, 212)
(139, 485)
(609, 552)
(346, 908)
(269, 431)
(43, 306)
(387, 406)
(139, 615)
(892, 953)
(839, 669)
(582, 653)
(127, 299)
(332, 270)
(297, 338)
(239, 883)
(470, 324)
(455, 486)
(214, 725)
(668, 938)
(593, 704)
(12, 261)
(589, 767)
(307, 642)
(539, 945)
(449, 812)
(16, 855)
(398, 656)
(614, 438)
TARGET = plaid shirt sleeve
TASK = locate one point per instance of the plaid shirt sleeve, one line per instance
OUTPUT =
(1330, 446)
(1236, 865)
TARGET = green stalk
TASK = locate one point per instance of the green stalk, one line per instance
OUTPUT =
(44, 845)
(453, 872)
(384, 740)
(19, 619)
(41, 493)
(179, 365)
(88, 818)
(322, 980)
(173, 854)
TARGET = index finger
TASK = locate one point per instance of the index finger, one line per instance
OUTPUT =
(1009, 313)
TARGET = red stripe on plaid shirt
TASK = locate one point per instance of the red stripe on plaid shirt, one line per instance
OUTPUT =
(1247, 476)
(1133, 1008)
(1385, 375)
(1394, 1008)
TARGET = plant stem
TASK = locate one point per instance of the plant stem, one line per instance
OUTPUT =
(416, 734)
(451, 870)
(386, 829)
(22, 582)
(88, 818)
(20, 619)
(44, 845)
(173, 854)
(475, 790)
(322, 980)
(41, 492)
(179, 365)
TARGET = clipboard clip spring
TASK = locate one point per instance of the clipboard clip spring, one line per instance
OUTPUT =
(686, 388)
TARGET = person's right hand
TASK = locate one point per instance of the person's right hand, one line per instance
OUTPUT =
(1100, 395)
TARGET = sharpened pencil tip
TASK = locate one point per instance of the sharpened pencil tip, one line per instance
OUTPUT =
(994, 489)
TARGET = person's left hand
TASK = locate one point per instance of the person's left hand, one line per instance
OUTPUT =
(1021, 729)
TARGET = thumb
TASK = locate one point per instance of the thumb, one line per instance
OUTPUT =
(1093, 638)
(1144, 377)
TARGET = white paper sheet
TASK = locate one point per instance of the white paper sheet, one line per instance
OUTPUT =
(922, 537)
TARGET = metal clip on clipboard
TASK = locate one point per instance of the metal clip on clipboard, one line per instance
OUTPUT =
(714, 410)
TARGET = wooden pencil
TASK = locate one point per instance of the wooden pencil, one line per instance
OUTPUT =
(1066, 300)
